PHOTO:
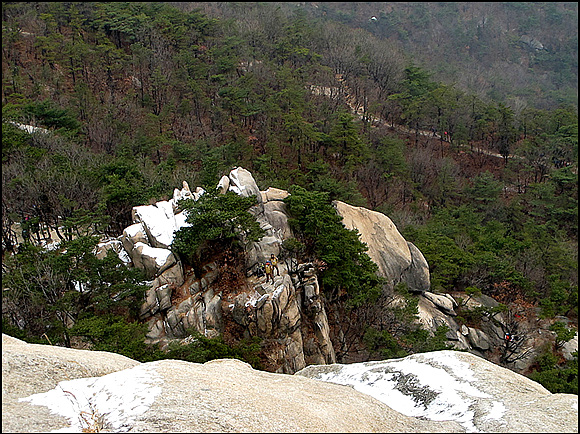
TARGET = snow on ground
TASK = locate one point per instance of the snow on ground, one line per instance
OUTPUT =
(117, 247)
(113, 400)
(134, 229)
(160, 221)
(29, 128)
(160, 255)
(438, 389)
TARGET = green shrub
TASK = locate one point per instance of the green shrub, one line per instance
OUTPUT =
(555, 378)
(563, 333)
(421, 341)
(52, 288)
(203, 349)
(409, 336)
(382, 343)
(348, 267)
(215, 219)
(51, 116)
(11, 330)
(114, 334)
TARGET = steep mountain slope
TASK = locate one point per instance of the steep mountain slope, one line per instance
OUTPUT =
(107, 106)
(521, 54)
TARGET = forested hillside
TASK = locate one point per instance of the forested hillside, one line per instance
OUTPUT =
(524, 54)
(457, 120)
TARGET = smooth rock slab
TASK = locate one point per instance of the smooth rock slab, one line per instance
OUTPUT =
(458, 386)
(175, 396)
(229, 396)
(28, 369)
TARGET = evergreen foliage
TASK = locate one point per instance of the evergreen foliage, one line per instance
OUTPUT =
(556, 378)
(563, 333)
(113, 333)
(347, 266)
(408, 337)
(47, 115)
(51, 289)
(215, 219)
(201, 349)
(139, 96)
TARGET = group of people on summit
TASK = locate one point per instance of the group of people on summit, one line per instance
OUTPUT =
(268, 269)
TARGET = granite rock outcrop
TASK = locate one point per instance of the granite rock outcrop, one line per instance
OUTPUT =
(290, 314)
(47, 388)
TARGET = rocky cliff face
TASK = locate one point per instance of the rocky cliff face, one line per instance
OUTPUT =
(47, 388)
(289, 315)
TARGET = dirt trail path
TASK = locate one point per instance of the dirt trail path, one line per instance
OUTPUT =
(358, 109)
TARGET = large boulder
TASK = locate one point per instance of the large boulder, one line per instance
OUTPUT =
(153, 260)
(531, 43)
(570, 347)
(276, 215)
(43, 391)
(29, 369)
(398, 260)
(457, 386)
(444, 302)
(417, 275)
(271, 214)
(431, 316)
(46, 388)
(242, 183)
(114, 245)
(159, 222)
(132, 235)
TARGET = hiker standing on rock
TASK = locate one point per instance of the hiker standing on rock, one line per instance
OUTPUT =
(274, 261)
(269, 270)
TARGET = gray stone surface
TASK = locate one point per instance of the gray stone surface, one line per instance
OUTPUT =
(459, 386)
(386, 246)
(31, 368)
(570, 348)
(417, 275)
(229, 396)
(218, 396)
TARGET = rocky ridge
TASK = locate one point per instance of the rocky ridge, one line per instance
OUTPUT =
(288, 314)
(46, 388)
(457, 386)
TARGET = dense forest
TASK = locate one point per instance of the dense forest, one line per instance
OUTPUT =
(457, 120)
